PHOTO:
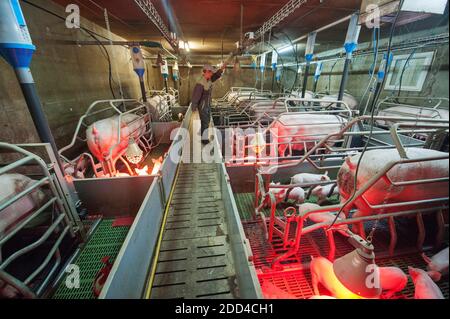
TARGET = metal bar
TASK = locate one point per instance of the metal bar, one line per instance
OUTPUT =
(34, 244)
(353, 220)
(49, 256)
(17, 284)
(18, 196)
(283, 13)
(421, 228)
(305, 36)
(15, 164)
(440, 234)
(393, 233)
(26, 221)
(149, 9)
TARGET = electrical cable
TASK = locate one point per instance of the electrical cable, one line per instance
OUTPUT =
(295, 51)
(329, 76)
(281, 60)
(372, 122)
(60, 17)
(403, 71)
(376, 48)
(91, 33)
(108, 58)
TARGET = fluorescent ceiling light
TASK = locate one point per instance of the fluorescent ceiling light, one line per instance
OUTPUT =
(429, 6)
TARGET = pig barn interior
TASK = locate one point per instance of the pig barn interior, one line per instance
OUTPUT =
(241, 149)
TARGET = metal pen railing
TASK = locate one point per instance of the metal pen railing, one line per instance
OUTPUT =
(63, 223)
(387, 210)
(144, 138)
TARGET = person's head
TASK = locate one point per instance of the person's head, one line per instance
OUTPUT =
(208, 72)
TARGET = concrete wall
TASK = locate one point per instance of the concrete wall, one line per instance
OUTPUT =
(68, 77)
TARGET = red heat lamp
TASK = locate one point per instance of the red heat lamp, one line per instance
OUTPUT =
(258, 143)
(353, 269)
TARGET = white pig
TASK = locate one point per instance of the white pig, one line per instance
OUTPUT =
(349, 99)
(102, 136)
(425, 286)
(297, 194)
(10, 185)
(330, 217)
(306, 207)
(392, 280)
(325, 191)
(437, 265)
(323, 217)
(322, 272)
(301, 131)
(304, 178)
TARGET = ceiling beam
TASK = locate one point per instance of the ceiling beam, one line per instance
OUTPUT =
(149, 9)
(282, 14)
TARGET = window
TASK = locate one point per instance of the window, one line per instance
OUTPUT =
(414, 73)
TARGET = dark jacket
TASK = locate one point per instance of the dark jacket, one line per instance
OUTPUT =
(202, 95)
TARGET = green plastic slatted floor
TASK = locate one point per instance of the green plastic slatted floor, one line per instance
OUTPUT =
(106, 241)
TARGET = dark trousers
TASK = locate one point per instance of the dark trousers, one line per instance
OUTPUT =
(205, 118)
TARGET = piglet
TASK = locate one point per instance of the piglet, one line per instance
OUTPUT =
(322, 272)
(304, 178)
(270, 291)
(392, 280)
(324, 217)
(297, 194)
(325, 191)
(437, 265)
(425, 286)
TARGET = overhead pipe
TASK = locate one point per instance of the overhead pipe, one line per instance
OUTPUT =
(309, 54)
(17, 49)
(351, 43)
(326, 27)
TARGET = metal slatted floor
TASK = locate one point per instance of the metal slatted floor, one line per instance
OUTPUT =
(195, 258)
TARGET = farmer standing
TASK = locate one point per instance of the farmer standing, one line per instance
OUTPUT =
(202, 96)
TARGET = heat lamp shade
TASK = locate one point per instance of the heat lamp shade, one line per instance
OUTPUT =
(134, 154)
(353, 271)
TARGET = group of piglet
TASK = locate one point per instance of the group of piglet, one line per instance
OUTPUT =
(392, 279)
(298, 194)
